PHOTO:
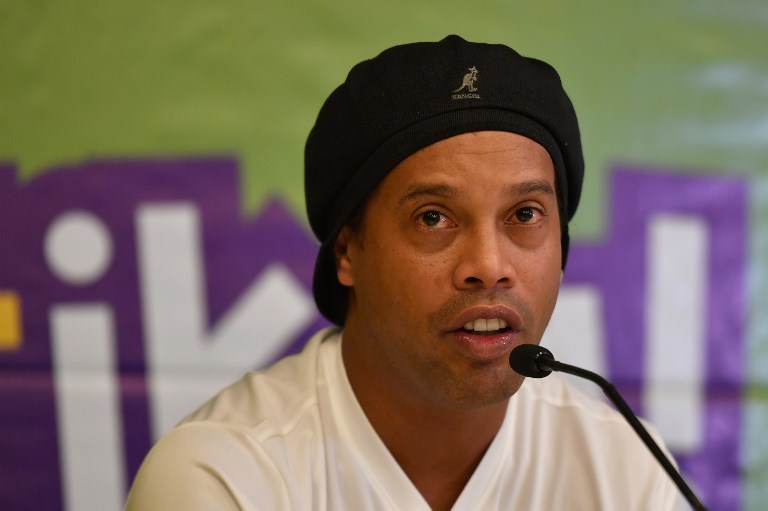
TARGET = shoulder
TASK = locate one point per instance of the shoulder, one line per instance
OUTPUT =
(202, 465)
(585, 443)
(553, 409)
(275, 397)
(555, 394)
(236, 449)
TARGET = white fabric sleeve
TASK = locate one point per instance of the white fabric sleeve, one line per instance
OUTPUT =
(202, 466)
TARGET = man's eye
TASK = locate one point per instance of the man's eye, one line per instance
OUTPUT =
(526, 215)
(431, 218)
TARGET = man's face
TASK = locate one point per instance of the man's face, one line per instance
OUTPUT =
(457, 261)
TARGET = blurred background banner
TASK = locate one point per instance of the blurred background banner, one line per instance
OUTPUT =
(154, 244)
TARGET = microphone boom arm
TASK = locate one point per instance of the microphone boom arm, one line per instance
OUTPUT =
(546, 362)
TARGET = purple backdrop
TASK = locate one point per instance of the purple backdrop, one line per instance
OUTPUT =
(237, 250)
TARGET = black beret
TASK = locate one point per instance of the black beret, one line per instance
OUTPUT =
(409, 97)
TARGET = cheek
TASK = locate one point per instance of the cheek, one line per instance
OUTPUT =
(550, 279)
(380, 273)
(542, 274)
(403, 281)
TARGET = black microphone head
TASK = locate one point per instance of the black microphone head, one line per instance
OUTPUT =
(524, 359)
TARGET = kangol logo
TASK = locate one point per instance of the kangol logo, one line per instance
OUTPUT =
(468, 84)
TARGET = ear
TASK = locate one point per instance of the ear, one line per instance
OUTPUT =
(342, 254)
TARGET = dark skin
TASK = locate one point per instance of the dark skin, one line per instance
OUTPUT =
(457, 261)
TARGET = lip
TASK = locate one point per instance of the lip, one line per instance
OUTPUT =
(484, 346)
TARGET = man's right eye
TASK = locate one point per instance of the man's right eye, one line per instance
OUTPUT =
(431, 218)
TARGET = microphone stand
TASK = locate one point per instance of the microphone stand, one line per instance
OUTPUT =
(546, 362)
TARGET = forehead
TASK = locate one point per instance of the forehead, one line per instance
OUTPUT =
(485, 157)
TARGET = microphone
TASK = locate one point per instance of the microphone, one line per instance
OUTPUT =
(536, 361)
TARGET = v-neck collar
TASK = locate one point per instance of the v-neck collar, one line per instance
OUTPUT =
(381, 468)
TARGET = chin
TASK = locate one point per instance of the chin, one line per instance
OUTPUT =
(487, 393)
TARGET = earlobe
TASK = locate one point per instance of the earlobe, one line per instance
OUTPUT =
(341, 251)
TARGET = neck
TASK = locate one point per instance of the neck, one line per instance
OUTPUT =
(437, 445)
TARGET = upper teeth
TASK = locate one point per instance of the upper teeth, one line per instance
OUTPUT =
(485, 325)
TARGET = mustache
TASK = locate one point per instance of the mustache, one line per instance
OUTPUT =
(479, 297)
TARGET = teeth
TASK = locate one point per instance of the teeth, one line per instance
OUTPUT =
(486, 325)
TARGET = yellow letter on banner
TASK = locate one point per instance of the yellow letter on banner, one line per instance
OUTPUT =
(10, 321)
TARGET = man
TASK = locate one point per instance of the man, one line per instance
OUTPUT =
(440, 178)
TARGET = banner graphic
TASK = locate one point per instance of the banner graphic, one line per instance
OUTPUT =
(132, 290)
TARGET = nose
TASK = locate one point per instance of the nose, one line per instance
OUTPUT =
(485, 260)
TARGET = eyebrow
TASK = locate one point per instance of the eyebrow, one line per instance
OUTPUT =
(418, 191)
(535, 186)
(448, 192)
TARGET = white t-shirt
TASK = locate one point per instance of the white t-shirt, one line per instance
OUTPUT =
(293, 437)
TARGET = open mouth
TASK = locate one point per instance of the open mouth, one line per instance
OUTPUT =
(486, 326)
